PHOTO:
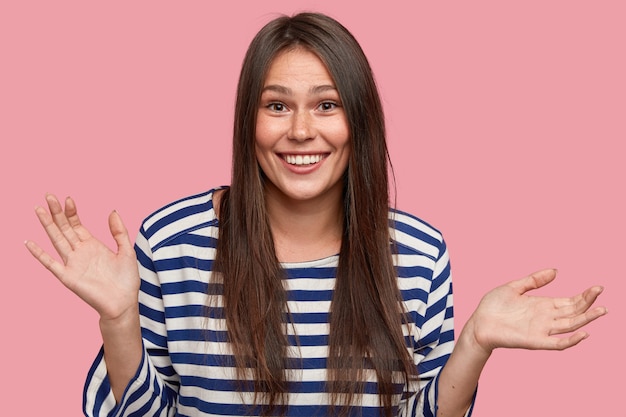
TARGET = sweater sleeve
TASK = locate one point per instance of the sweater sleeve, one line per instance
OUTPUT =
(435, 340)
(154, 388)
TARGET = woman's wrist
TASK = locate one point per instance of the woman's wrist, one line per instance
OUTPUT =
(470, 344)
(129, 319)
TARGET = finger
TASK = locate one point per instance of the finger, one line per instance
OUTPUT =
(578, 303)
(72, 218)
(562, 343)
(120, 234)
(589, 297)
(57, 238)
(570, 324)
(71, 213)
(534, 281)
(46, 260)
(58, 215)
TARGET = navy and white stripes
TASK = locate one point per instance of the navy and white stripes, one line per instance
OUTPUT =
(187, 368)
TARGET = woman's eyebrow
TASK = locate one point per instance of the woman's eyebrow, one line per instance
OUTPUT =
(317, 89)
(277, 88)
(322, 88)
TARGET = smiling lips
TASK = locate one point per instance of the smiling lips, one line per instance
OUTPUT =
(303, 159)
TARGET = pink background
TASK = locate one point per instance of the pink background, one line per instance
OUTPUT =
(506, 126)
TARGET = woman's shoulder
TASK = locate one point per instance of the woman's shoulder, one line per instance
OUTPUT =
(183, 215)
(412, 234)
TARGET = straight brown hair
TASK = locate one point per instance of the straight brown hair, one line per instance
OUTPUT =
(367, 313)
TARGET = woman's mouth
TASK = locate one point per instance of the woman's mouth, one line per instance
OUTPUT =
(301, 160)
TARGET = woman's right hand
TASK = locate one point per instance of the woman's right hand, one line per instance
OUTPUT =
(106, 280)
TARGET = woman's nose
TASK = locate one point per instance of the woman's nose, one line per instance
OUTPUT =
(301, 128)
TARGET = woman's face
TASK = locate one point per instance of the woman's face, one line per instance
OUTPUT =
(302, 134)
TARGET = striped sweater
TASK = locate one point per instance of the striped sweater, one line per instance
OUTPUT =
(187, 368)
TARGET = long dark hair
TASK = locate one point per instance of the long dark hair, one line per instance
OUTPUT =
(367, 314)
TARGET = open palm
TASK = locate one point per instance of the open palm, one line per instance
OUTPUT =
(108, 281)
(509, 317)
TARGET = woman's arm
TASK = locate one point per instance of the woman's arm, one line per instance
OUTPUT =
(508, 317)
(108, 281)
(121, 339)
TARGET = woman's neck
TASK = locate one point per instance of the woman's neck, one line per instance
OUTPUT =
(305, 230)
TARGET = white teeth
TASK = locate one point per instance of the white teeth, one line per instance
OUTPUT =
(302, 159)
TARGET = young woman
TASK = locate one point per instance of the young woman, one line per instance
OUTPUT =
(296, 290)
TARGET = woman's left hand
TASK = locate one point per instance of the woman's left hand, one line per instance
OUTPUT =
(509, 317)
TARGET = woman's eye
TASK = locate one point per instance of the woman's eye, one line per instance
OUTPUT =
(277, 107)
(327, 106)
